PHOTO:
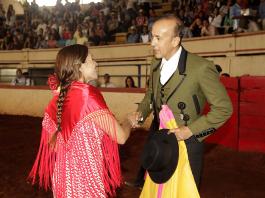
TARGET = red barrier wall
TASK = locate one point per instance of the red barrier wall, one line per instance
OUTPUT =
(252, 114)
(245, 130)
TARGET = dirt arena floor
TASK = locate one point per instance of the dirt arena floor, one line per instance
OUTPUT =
(227, 173)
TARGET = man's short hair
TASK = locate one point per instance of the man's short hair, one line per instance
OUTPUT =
(107, 75)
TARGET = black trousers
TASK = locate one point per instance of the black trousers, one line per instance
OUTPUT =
(195, 155)
(141, 172)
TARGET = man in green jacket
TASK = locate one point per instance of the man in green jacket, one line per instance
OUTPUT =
(185, 82)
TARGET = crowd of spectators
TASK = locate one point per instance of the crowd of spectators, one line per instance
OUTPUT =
(97, 23)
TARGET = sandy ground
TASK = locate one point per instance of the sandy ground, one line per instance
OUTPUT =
(227, 173)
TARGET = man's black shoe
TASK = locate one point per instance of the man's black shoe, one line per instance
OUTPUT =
(138, 185)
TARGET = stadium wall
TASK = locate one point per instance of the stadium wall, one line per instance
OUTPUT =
(238, 54)
(245, 130)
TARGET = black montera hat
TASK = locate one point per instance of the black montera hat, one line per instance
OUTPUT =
(160, 156)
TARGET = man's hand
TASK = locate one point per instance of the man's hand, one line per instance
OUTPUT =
(135, 118)
(182, 133)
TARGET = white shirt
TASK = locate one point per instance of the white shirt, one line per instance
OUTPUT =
(19, 81)
(145, 38)
(216, 22)
(108, 85)
(168, 67)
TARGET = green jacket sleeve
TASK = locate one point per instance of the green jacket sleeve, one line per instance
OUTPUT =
(216, 96)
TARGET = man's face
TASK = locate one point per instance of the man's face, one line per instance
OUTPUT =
(106, 79)
(164, 41)
(19, 73)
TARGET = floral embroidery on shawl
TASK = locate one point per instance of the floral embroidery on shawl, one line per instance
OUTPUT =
(74, 166)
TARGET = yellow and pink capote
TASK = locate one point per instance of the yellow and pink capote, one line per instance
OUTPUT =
(181, 184)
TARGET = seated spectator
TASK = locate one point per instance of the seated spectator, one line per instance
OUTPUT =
(205, 31)
(152, 18)
(78, 29)
(55, 34)
(70, 41)
(66, 33)
(181, 16)
(225, 7)
(129, 82)
(124, 23)
(40, 32)
(41, 43)
(107, 83)
(133, 36)
(2, 13)
(131, 8)
(2, 30)
(112, 25)
(52, 43)
(19, 79)
(62, 28)
(145, 36)
(105, 9)
(146, 5)
(213, 14)
(16, 45)
(53, 24)
(216, 24)
(196, 27)
(94, 12)
(141, 20)
(30, 40)
(7, 41)
(48, 31)
(10, 15)
(100, 34)
(41, 27)
(20, 36)
(29, 81)
(102, 18)
(239, 21)
(91, 33)
(81, 39)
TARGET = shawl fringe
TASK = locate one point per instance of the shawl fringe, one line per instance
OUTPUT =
(45, 160)
(111, 168)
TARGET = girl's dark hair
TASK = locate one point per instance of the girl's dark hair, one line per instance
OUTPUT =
(68, 62)
(129, 77)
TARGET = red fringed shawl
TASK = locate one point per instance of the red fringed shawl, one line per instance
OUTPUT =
(85, 162)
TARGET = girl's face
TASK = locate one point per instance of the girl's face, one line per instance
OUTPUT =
(129, 82)
(88, 69)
